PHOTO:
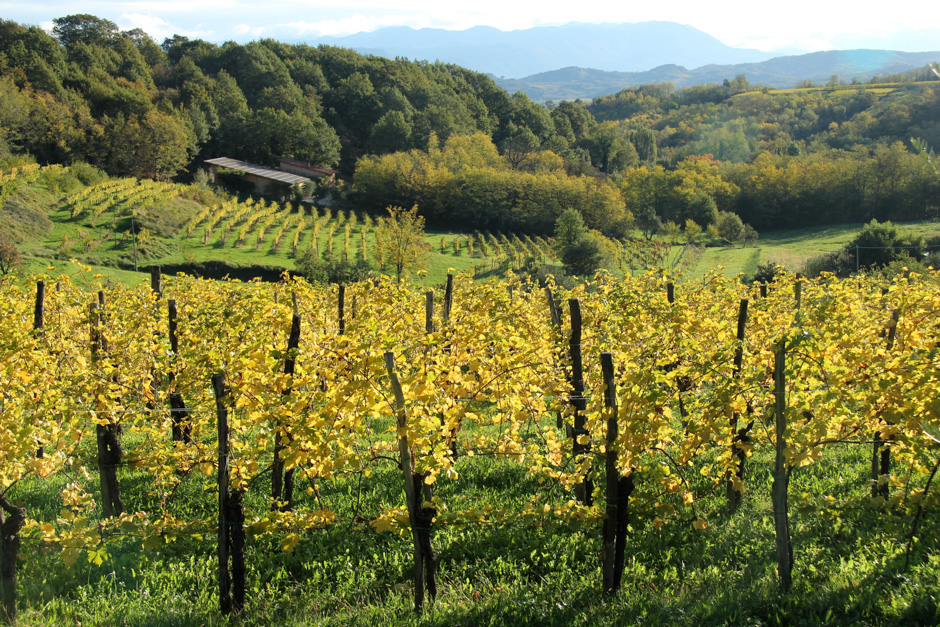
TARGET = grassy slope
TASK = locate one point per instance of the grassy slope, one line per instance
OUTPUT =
(108, 245)
(790, 248)
(848, 561)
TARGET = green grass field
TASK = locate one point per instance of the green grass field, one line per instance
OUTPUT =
(849, 561)
(790, 248)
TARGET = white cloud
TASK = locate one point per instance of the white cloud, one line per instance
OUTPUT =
(245, 29)
(159, 28)
(346, 26)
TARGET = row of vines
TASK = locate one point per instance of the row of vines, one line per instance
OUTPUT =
(287, 385)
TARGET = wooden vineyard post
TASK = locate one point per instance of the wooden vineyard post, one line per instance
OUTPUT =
(584, 490)
(781, 472)
(448, 299)
(763, 290)
(735, 486)
(553, 308)
(156, 283)
(556, 324)
(683, 384)
(40, 308)
(425, 562)
(619, 489)
(445, 321)
(38, 322)
(231, 515)
(881, 453)
(12, 520)
(798, 290)
(609, 532)
(109, 447)
(341, 309)
(429, 312)
(282, 482)
(181, 430)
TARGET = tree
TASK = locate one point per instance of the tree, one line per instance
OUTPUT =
(730, 227)
(584, 257)
(693, 232)
(569, 229)
(400, 239)
(9, 255)
(644, 140)
(921, 146)
(392, 132)
(647, 221)
(880, 243)
(579, 250)
(519, 146)
(84, 28)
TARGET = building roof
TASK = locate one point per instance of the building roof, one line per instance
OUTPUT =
(257, 170)
(307, 166)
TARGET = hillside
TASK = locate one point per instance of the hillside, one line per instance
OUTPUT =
(655, 160)
(122, 225)
(851, 66)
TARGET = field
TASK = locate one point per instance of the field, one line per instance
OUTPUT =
(516, 509)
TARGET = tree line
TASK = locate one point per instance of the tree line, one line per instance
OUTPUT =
(460, 147)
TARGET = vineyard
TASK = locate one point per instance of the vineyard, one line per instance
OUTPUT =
(112, 218)
(224, 418)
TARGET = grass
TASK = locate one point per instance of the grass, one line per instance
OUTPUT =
(791, 247)
(848, 561)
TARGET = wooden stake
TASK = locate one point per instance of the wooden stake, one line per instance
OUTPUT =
(282, 482)
(109, 447)
(608, 547)
(38, 322)
(738, 453)
(881, 453)
(584, 490)
(155, 281)
(12, 520)
(425, 562)
(553, 308)
(448, 298)
(179, 414)
(341, 306)
(40, 308)
(781, 472)
(228, 516)
(429, 312)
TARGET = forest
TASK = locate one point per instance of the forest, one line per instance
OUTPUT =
(471, 155)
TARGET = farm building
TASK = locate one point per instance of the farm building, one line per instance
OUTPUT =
(302, 168)
(266, 181)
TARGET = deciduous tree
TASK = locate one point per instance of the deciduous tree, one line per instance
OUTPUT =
(400, 238)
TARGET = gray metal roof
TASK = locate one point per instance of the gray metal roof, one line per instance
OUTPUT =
(257, 170)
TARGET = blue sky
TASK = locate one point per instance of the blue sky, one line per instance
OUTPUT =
(795, 26)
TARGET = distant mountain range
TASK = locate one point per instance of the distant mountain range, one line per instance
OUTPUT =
(599, 59)
(518, 53)
(571, 83)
